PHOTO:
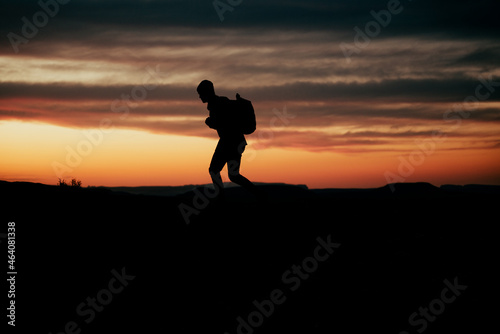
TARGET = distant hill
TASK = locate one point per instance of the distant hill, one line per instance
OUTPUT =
(180, 190)
(283, 191)
(289, 191)
(154, 190)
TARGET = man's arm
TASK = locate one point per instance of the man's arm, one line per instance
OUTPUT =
(210, 122)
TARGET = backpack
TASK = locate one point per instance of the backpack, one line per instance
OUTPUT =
(246, 115)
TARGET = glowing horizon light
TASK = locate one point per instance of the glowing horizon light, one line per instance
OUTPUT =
(138, 158)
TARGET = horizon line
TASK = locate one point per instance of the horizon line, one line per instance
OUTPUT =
(231, 184)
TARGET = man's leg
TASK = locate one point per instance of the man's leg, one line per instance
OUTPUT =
(216, 165)
(233, 169)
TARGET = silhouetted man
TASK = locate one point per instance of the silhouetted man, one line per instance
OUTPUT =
(231, 143)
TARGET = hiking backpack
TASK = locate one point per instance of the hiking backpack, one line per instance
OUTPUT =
(246, 115)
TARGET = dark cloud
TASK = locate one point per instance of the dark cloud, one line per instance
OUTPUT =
(379, 134)
(487, 57)
(457, 19)
(68, 91)
(404, 90)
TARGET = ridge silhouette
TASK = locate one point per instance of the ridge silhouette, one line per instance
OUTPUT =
(396, 250)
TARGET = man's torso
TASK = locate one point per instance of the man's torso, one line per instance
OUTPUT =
(223, 116)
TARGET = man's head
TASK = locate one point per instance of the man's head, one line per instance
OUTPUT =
(206, 90)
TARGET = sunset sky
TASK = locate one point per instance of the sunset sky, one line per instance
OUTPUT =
(347, 93)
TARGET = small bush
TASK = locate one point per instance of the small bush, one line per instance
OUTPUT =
(74, 183)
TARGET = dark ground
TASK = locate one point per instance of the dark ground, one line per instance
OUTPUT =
(396, 250)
